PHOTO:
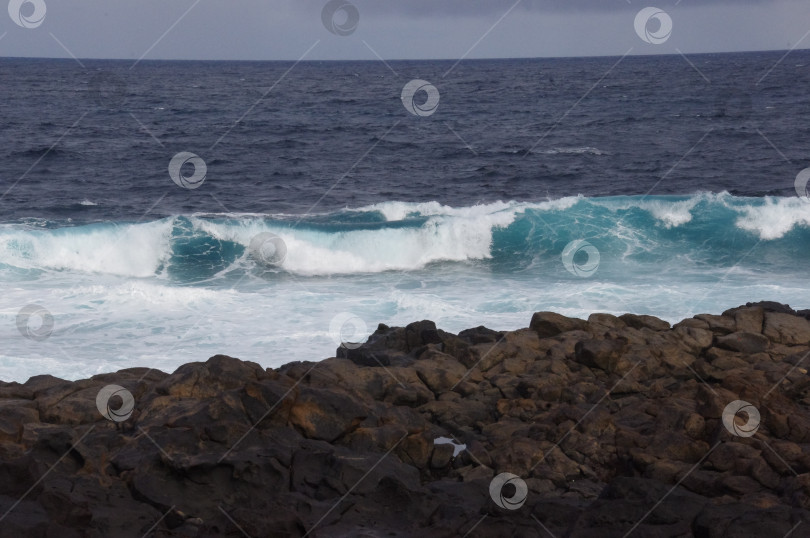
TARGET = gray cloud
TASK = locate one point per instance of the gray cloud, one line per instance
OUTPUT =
(461, 8)
(397, 29)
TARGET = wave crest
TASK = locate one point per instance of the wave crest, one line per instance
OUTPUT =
(400, 236)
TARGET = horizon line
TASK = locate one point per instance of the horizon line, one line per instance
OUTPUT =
(451, 59)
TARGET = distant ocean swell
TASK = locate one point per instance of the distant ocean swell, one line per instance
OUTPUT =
(703, 229)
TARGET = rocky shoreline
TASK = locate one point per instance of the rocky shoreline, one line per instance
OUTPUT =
(610, 426)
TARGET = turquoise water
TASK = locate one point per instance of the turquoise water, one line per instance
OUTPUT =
(182, 288)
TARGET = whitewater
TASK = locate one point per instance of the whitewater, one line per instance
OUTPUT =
(105, 284)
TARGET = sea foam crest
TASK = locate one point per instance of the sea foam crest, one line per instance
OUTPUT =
(413, 235)
(397, 211)
(774, 217)
(465, 235)
(136, 250)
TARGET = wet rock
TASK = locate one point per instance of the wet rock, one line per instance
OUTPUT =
(480, 335)
(421, 333)
(614, 424)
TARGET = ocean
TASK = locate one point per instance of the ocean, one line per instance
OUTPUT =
(161, 213)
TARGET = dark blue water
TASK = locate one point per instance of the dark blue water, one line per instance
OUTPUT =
(319, 120)
(641, 184)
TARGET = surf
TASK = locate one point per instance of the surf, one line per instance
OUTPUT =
(706, 228)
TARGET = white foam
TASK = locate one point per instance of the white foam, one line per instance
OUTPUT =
(457, 447)
(140, 250)
(126, 250)
(775, 217)
(670, 213)
(441, 238)
(107, 322)
(104, 324)
(584, 150)
(769, 217)
(143, 292)
(397, 211)
(428, 306)
(448, 234)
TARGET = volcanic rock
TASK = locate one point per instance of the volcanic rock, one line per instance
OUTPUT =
(615, 425)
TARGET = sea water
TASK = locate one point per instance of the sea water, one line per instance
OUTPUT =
(659, 193)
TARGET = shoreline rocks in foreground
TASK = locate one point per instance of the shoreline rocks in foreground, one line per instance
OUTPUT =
(606, 426)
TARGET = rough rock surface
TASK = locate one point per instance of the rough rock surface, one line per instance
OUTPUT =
(614, 424)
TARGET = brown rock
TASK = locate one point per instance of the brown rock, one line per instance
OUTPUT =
(724, 359)
(695, 426)
(203, 380)
(750, 319)
(474, 473)
(13, 415)
(548, 324)
(645, 322)
(786, 329)
(693, 339)
(600, 323)
(744, 342)
(719, 324)
(325, 416)
(440, 372)
(739, 485)
(345, 445)
(762, 473)
(416, 450)
(692, 322)
(421, 333)
(440, 458)
(602, 354)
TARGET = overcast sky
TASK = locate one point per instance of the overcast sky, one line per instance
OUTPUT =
(393, 29)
